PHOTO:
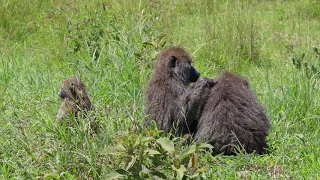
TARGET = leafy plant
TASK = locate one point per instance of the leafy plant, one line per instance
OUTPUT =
(154, 156)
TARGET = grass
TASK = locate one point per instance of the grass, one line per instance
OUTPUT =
(112, 46)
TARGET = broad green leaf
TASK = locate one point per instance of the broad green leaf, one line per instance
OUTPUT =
(131, 163)
(202, 169)
(180, 171)
(176, 163)
(166, 144)
(145, 139)
(196, 175)
(204, 146)
(157, 175)
(157, 160)
(114, 150)
(137, 142)
(123, 172)
(151, 152)
(187, 152)
(144, 170)
(115, 175)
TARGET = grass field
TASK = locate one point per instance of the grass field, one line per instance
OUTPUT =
(112, 46)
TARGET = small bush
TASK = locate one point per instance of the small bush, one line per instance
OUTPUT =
(155, 156)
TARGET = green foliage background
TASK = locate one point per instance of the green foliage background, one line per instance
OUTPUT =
(112, 46)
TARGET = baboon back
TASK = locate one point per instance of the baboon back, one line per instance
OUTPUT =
(233, 116)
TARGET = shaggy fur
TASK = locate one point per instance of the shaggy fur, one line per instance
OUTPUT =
(170, 101)
(232, 117)
(75, 98)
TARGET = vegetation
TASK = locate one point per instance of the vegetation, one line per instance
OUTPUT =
(112, 46)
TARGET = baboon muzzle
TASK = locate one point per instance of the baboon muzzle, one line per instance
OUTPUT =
(62, 95)
(194, 75)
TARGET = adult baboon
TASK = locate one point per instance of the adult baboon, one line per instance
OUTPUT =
(75, 98)
(170, 100)
(233, 116)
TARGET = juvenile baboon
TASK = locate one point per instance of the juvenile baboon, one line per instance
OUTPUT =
(75, 98)
(170, 100)
(233, 117)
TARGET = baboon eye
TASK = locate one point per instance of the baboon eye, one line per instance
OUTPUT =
(71, 86)
(172, 62)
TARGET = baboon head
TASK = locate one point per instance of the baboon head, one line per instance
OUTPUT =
(73, 89)
(236, 83)
(176, 62)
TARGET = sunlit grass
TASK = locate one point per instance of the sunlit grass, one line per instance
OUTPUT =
(112, 46)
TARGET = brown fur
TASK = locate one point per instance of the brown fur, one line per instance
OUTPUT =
(75, 98)
(233, 116)
(170, 100)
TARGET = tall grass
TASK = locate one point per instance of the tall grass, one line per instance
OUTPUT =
(112, 47)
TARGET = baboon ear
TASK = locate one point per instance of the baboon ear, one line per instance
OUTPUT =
(246, 83)
(172, 62)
